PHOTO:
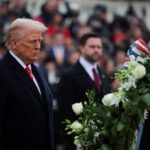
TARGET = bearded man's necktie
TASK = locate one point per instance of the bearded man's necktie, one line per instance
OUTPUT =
(97, 79)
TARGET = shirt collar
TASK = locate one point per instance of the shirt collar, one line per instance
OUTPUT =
(86, 64)
(19, 60)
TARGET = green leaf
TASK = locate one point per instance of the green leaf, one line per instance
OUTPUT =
(139, 112)
(148, 75)
(120, 126)
(126, 105)
(104, 132)
(104, 147)
(114, 130)
(146, 99)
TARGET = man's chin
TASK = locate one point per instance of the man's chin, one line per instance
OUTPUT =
(36, 59)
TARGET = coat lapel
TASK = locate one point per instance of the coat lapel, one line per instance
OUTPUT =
(42, 83)
(83, 75)
(47, 95)
(21, 75)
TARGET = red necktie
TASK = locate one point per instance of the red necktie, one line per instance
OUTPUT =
(96, 79)
(29, 72)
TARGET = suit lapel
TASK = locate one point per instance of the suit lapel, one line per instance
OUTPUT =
(46, 95)
(42, 82)
(23, 77)
(83, 75)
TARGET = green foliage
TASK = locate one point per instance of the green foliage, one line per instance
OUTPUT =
(113, 126)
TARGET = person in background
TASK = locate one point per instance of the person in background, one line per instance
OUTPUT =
(25, 98)
(83, 76)
(2, 49)
(19, 7)
(58, 50)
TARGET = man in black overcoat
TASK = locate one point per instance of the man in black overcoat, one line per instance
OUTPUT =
(25, 97)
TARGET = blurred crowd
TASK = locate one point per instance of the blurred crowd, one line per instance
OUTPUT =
(60, 47)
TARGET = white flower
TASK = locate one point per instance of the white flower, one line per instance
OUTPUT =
(77, 108)
(139, 59)
(120, 95)
(127, 85)
(139, 71)
(96, 134)
(130, 64)
(145, 114)
(110, 99)
(132, 57)
(78, 144)
(132, 80)
(76, 126)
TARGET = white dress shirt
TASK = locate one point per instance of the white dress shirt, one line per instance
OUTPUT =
(88, 67)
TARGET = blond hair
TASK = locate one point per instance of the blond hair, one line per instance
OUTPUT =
(21, 26)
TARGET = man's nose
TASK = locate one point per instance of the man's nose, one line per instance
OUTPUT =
(97, 49)
(38, 45)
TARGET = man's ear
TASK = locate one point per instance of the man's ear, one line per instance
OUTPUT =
(13, 43)
(80, 48)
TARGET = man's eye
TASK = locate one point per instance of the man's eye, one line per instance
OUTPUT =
(34, 41)
(92, 46)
